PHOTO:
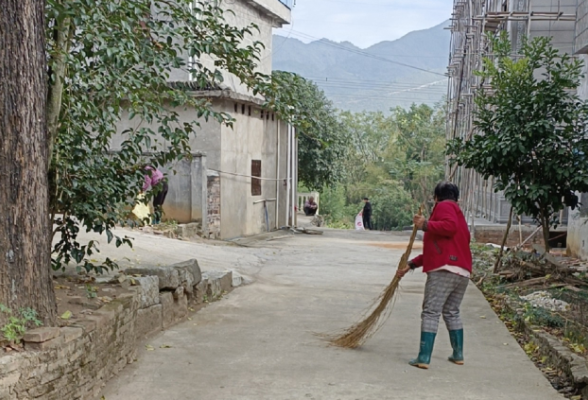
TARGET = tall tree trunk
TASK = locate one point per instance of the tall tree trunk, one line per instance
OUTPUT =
(498, 262)
(545, 227)
(25, 247)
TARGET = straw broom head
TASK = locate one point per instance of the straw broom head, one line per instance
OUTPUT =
(356, 335)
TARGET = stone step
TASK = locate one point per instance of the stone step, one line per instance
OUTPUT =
(217, 283)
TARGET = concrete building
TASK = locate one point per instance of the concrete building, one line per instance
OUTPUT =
(577, 240)
(242, 179)
(471, 23)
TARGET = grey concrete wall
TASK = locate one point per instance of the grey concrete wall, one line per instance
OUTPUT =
(497, 209)
(243, 14)
(581, 39)
(251, 138)
(266, 15)
(283, 175)
(206, 139)
(577, 241)
(186, 199)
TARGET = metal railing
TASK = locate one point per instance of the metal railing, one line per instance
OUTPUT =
(288, 3)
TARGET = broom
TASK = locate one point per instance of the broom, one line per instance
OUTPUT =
(356, 335)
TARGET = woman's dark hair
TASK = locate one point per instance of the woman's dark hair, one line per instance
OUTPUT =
(446, 191)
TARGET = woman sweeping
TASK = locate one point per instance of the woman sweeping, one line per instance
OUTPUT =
(447, 261)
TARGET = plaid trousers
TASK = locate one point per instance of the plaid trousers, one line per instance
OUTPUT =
(444, 292)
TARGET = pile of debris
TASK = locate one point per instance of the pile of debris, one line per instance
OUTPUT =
(543, 299)
(527, 269)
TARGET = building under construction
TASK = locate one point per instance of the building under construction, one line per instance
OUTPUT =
(472, 22)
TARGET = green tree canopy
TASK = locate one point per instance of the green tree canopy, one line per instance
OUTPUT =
(109, 59)
(531, 129)
(322, 138)
(395, 160)
(417, 156)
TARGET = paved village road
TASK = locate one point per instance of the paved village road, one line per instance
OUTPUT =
(257, 342)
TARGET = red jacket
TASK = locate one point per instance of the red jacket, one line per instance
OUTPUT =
(447, 239)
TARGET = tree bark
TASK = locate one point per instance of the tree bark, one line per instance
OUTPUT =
(504, 239)
(545, 227)
(58, 68)
(25, 231)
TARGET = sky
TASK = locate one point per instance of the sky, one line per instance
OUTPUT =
(363, 22)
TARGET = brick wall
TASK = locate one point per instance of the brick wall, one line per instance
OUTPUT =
(214, 207)
(495, 234)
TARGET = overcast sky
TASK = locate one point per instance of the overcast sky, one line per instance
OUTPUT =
(364, 22)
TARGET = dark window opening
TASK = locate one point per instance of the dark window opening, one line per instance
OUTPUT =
(249, 110)
(261, 114)
(236, 107)
(243, 109)
(256, 172)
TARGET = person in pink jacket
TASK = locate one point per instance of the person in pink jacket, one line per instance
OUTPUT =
(155, 180)
(447, 261)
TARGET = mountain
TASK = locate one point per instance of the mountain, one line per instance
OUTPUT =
(383, 76)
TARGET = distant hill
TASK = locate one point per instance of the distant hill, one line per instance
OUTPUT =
(365, 79)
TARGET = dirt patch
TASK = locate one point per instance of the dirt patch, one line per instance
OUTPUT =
(396, 245)
(81, 296)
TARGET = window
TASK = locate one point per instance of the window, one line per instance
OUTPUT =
(256, 183)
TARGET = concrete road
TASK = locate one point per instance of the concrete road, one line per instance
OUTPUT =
(258, 342)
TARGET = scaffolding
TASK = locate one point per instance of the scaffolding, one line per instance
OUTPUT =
(471, 23)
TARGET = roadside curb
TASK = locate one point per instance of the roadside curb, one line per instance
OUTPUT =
(573, 365)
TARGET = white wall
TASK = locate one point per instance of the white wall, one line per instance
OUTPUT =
(577, 242)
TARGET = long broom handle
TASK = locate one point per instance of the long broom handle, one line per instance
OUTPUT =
(404, 259)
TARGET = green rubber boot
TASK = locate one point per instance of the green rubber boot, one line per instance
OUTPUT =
(456, 339)
(426, 348)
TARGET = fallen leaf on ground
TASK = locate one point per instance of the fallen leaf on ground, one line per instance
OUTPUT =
(105, 299)
(149, 347)
(66, 315)
(61, 287)
(165, 346)
(483, 316)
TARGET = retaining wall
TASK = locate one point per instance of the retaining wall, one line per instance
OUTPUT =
(76, 361)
